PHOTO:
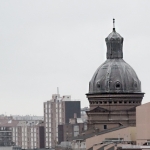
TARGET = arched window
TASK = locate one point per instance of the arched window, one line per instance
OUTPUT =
(118, 85)
(98, 84)
(135, 84)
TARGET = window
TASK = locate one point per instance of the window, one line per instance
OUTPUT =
(46, 129)
(85, 126)
(31, 129)
(49, 129)
(118, 85)
(98, 84)
(13, 138)
(135, 84)
(76, 130)
(105, 126)
(46, 139)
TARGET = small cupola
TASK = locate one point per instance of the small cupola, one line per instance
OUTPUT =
(114, 43)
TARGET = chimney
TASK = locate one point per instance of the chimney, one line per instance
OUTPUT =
(75, 118)
(75, 115)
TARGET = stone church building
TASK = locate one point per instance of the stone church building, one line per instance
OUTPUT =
(114, 90)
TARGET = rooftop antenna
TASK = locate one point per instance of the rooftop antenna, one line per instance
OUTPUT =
(57, 90)
(113, 24)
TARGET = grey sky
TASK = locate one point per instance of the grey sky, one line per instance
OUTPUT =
(50, 43)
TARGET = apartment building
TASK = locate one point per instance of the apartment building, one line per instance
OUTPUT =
(6, 131)
(29, 134)
(57, 111)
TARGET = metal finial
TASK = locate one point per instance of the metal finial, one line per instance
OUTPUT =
(114, 24)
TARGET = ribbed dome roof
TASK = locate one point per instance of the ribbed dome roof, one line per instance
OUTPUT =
(114, 75)
(114, 35)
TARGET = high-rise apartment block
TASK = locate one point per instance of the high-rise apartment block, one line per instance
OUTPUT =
(58, 111)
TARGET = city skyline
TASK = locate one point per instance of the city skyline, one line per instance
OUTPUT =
(50, 44)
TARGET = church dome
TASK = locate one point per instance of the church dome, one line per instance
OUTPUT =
(114, 75)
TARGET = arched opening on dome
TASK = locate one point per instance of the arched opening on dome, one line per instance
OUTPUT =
(118, 85)
(135, 84)
(98, 84)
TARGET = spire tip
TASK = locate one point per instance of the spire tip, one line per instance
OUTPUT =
(113, 24)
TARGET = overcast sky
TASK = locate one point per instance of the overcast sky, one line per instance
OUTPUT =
(46, 44)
